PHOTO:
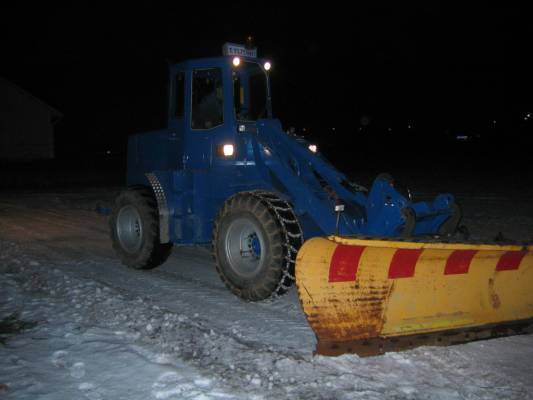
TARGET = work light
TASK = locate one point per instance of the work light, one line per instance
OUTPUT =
(227, 150)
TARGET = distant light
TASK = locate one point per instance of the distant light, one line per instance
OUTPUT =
(462, 137)
(304, 129)
(494, 121)
(108, 152)
(267, 66)
(313, 148)
(528, 115)
(236, 61)
(389, 129)
(332, 129)
(408, 126)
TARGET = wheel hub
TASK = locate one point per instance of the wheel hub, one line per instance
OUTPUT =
(243, 244)
(129, 229)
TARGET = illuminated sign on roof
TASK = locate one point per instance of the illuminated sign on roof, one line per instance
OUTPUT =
(232, 49)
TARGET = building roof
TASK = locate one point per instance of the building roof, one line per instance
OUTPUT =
(56, 115)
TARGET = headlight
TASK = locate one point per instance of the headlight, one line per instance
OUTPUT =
(225, 150)
(313, 148)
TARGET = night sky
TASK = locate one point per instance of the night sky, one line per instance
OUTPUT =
(383, 75)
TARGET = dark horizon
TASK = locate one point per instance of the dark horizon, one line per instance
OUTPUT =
(382, 75)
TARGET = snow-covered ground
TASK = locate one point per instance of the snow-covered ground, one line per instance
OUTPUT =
(77, 324)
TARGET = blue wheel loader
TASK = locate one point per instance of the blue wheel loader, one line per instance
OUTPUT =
(225, 172)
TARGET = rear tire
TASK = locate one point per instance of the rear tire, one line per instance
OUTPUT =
(255, 240)
(134, 226)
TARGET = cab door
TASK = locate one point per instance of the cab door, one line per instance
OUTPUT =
(176, 114)
(206, 117)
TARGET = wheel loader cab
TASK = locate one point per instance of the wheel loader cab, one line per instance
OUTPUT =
(213, 104)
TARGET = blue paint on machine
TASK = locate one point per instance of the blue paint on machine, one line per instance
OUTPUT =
(221, 141)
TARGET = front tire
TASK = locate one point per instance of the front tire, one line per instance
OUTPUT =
(134, 226)
(451, 225)
(256, 238)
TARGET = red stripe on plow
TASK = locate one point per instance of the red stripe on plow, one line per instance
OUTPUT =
(344, 263)
(403, 263)
(510, 260)
(459, 262)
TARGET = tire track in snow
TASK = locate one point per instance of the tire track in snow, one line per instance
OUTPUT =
(187, 283)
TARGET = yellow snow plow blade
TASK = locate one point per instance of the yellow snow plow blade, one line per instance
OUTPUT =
(372, 296)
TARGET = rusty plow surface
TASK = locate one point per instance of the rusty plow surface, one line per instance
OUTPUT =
(373, 296)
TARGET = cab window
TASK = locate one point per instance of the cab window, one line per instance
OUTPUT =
(250, 92)
(207, 98)
(180, 94)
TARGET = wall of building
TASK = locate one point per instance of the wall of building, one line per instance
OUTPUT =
(26, 130)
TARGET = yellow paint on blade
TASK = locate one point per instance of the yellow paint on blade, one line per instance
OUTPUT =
(342, 309)
(376, 303)
(432, 301)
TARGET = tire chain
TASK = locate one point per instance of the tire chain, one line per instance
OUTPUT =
(293, 240)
